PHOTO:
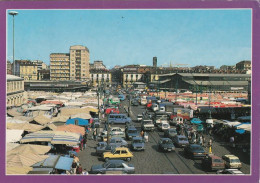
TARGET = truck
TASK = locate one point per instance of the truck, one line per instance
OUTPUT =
(168, 107)
(185, 113)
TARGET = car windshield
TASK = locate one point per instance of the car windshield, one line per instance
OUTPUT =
(197, 148)
(167, 142)
(183, 139)
(113, 151)
(147, 122)
(217, 161)
(132, 131)
(235, 161)
(139, 115)
(161, 117)
(106, 164)
(138, 141)
(172, 131)
(165, 125)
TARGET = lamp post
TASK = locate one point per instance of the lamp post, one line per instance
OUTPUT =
(13, 13)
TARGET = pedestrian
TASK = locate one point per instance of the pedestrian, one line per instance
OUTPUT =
(210, 142)
(94, 135)
(201, 140)
(142, 133)
(79, 169)
(146, 136)
(74, 167)
(84, 142)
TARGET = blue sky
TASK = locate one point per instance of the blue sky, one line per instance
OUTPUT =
(121, 37)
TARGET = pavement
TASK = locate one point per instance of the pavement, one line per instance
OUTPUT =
(151, 161)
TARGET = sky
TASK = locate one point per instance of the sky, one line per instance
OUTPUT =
(123, 37)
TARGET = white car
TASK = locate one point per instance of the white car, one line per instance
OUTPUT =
(163, 126)
(139, 117)
(117, 131)
(230, 171)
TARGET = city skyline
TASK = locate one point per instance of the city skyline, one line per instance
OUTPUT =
(194, 37)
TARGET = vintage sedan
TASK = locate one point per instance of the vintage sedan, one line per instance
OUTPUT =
(117, 132)
(165, 144)
(118, 153)
(170, 133)
(212, 162)
(118, 141)
(138, 144)
(195, 151)
(113, 166)
(232, 161)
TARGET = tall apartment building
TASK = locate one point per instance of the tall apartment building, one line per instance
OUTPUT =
(26, 69)
(70, 66)
(60, 66)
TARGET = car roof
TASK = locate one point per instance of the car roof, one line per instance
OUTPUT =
(214, 156)
(195, 145)
(137, 138)
(117, 161)
(131, 128)
(231, 156)
(166, 139)
(121, 148)
(181, 136)
(117, 138)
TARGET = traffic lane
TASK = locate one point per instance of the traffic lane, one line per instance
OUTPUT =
(184, 165)
(217, 149)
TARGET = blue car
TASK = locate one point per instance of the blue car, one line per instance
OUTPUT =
(121, 97)
(196, 121)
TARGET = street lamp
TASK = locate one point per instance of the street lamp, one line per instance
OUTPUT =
(13, 13)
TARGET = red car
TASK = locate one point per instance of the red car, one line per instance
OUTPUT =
(112, 111)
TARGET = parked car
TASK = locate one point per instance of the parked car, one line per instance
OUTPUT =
(230, 171)
(212, 162)
(112, 111)
(170, 133)
(166, 144)
(139, 117)
(131, 132)
(134, 102)
(103, 147)
(180, 141)
(112, 166)
(118, 118)
(163, 126)
(176, 121)
(117, 132)
(147, 125)
(121, 97)
(118, 153)
(196, 121)
(195, 151)
(138, 144)
(232, 161)
(118, 141)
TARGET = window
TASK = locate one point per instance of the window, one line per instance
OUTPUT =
(120, 166)
(123, 152)
(112, 166)
(117, 152)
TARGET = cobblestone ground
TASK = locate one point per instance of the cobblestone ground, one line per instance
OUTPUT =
(151, 161)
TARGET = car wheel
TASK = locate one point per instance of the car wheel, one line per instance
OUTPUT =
(128, 159)
(106, 159)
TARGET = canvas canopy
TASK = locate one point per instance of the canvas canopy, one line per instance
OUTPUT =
(81, 115)
(14, 112)
(23, 159)
(18, 170)
(23, 118)
(64, 163)
(10, 146)
(43, 120)
(30, 149)
(72, 128)
(24, 126)
(54, 137)
(60, 119)
(42, 108)
(77, 121)
(13, 135)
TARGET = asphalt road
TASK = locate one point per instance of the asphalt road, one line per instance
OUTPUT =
(151, 161)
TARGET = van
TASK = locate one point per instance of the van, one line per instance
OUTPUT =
(118, 118)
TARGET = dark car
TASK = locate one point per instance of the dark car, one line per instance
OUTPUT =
(131, 132)
(137, 144)
(170, 133)
(165, 144)
(195, 151)
(113, 166)
(213, 162)
(134, 102)
(103, 147)
(180, 141)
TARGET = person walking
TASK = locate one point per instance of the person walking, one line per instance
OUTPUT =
(146, 136)
(79, 169)
(84, 142)
(74, 167)
(94, 134)
(142, 133)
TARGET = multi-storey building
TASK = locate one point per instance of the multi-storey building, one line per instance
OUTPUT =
(40, 64)
(100, 77)
(15, 91)
(26, 69)
(70, 66)
(59, 66)
(44, 74)
(9, 67)
(243, 65)
(79, 63)
(98, 65)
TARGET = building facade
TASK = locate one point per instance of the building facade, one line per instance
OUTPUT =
(70, 66)
(9, 67)
(15, 91)
(243, 65)
(59, 66)
(28, 71)
(100, 77)
(98, 65)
